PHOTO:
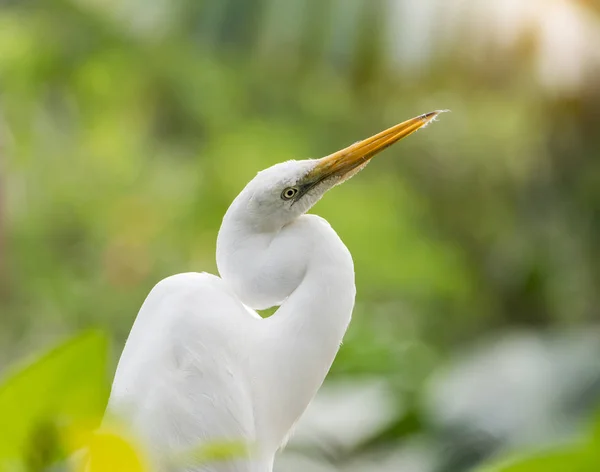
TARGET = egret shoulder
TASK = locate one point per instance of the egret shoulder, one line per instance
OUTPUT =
(182, 378)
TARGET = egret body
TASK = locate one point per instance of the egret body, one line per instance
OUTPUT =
(201, 366)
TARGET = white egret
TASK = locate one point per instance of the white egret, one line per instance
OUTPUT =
(200, 365)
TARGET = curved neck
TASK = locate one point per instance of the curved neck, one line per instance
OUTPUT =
(306, 269)
(319, 309)
(301, 341)
(298, 344)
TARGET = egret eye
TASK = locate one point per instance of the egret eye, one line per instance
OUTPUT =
(289, 193)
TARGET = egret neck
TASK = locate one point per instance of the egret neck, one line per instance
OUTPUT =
(271, 253)
(304, 267)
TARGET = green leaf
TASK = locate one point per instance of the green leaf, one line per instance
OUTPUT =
(66, 388)
(214, 451)
(595, 430)
(568, 459)
(112, 452)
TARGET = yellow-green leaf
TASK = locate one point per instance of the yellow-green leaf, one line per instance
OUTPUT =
(111, 452)
(66, 387)
(567, 459)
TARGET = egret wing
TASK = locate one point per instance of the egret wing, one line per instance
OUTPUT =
(181, 379)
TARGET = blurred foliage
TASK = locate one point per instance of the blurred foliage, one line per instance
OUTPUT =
(51, 413)
(583, 456)
(52, 406)
(128, 127)
(67, 386)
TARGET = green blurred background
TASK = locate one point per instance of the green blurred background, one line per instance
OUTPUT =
(127, 127)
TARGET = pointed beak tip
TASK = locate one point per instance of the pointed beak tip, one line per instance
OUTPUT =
(357, 155)
(432, 115)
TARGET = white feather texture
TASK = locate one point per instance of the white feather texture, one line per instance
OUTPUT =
(199, 365)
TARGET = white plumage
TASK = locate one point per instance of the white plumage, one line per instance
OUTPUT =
(201, 366)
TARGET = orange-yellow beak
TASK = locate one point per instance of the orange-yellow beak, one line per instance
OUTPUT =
(342, 163)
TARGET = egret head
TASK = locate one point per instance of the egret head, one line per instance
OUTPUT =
(281, 193)
(263, 246)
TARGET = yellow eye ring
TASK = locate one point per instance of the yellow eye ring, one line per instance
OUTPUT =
(289, 193)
